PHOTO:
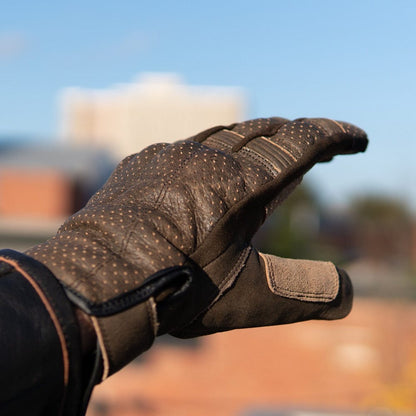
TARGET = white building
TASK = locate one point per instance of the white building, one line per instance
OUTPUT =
(158, 107)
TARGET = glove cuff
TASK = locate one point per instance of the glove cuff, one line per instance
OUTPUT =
(125, 326)
(125, 335)
(47, 322)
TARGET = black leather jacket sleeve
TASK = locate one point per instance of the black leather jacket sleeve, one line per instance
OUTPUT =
(42, 371)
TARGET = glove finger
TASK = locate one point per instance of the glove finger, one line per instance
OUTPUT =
(237, 134)
(245, 131)
(251, 129)
(281, 149)
(277, 155)
(299, 144)
(272, 291)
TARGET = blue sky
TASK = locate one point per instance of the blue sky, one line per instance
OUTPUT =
(348, 60)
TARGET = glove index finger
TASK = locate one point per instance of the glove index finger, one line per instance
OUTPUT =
(301, 143)
(349, 138)
(280, 160)
(268, 166)
(285, 149)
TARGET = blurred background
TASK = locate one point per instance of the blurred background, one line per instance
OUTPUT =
(84, 84)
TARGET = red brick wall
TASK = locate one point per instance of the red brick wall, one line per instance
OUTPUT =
(362, 363)
(40, 193)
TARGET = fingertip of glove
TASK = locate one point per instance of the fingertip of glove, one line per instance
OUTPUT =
(357, 140)
(341, 306)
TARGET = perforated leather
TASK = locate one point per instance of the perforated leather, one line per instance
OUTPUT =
(197, 201)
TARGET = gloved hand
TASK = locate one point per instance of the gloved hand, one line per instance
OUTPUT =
(165, 245)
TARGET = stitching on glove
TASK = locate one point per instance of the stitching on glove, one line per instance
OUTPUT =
(220, 143)
(240, 136)
(102, 343)
(228, 280)
(152, 315)
(280, 147)
(338, 124)
(250, 137)
(234, 272)
(199, 138)
(271, 168)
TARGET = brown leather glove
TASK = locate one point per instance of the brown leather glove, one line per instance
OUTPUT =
(165, 246)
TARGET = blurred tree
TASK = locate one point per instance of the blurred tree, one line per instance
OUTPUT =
(374, 227)
(378, 208)
(292, 228)
(383, 228)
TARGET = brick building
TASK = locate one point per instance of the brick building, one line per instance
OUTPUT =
(42, 184)
(363, 365)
